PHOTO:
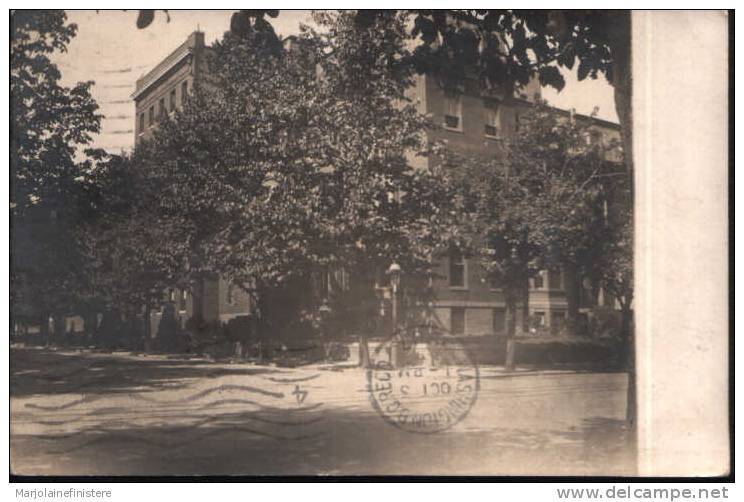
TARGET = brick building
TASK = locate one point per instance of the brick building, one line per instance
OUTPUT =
(474, 123)
(479, 123)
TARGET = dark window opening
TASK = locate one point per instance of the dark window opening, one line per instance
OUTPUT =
(491, 127)
(557, 321)
(452, 112)
(538, 319)
(150, 115)
(457, 270)
(173, 100)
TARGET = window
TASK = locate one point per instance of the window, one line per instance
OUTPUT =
(499, 320)
(557, 320)
(593, 138)
(457, 270)
(493, 118)
(453, 112)
(141, 123)
(457, 320)
(539, 280)
(182, 302)
(171, 295)
(184, 90)
(539, 319)
(161, 107)
(151, 116)
(173, 100)
(517, 121)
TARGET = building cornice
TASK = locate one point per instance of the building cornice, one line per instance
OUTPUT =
(170, 62)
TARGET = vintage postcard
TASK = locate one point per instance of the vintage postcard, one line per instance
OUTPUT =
(368, 242)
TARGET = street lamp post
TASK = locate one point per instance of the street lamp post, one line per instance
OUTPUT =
(394, 273)
(325, 313)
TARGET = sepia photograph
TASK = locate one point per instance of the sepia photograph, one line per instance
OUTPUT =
(343, 243)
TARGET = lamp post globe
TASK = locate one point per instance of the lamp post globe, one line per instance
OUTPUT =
(394, 272)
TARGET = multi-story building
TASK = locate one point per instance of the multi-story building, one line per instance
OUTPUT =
(473, 122)
(163, 89)
(478, 123)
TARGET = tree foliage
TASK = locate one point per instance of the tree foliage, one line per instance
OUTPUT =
(288, 163)
(51, 124)
(544, 205)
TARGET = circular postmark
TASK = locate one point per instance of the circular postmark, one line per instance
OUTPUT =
(422, 394)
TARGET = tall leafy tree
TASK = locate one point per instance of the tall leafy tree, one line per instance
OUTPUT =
(540, 207)
(289, 162)
(51, 123)
(132, 253)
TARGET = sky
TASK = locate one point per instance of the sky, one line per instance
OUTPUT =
(112, 52)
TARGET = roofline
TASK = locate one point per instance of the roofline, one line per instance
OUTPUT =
(194, 41)
(150, 78)
(607, 123)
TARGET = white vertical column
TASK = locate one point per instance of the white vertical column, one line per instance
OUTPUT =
(681, 153)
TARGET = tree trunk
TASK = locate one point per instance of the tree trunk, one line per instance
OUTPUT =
(59, 328)
(629, 338)
(197, 301)
(571, 285)
(622, 81)
(147, 328)
(525, 294)
(364, 360)
(44, 330)
(631, 410)
(89, 324)
(511, 328)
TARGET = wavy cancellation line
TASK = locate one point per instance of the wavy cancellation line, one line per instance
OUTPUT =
(102, 427)
(134, 438)
(144, 397)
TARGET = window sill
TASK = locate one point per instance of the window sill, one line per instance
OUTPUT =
(453, 129)
(494, 138)
(459, 288)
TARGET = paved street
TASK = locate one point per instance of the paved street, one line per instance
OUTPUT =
(121, 414)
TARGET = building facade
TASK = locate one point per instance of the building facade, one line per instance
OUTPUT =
(479, 123)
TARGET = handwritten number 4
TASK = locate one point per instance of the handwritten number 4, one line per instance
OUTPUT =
(300, 394)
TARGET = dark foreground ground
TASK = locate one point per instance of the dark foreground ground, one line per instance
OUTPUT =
(75, 413)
